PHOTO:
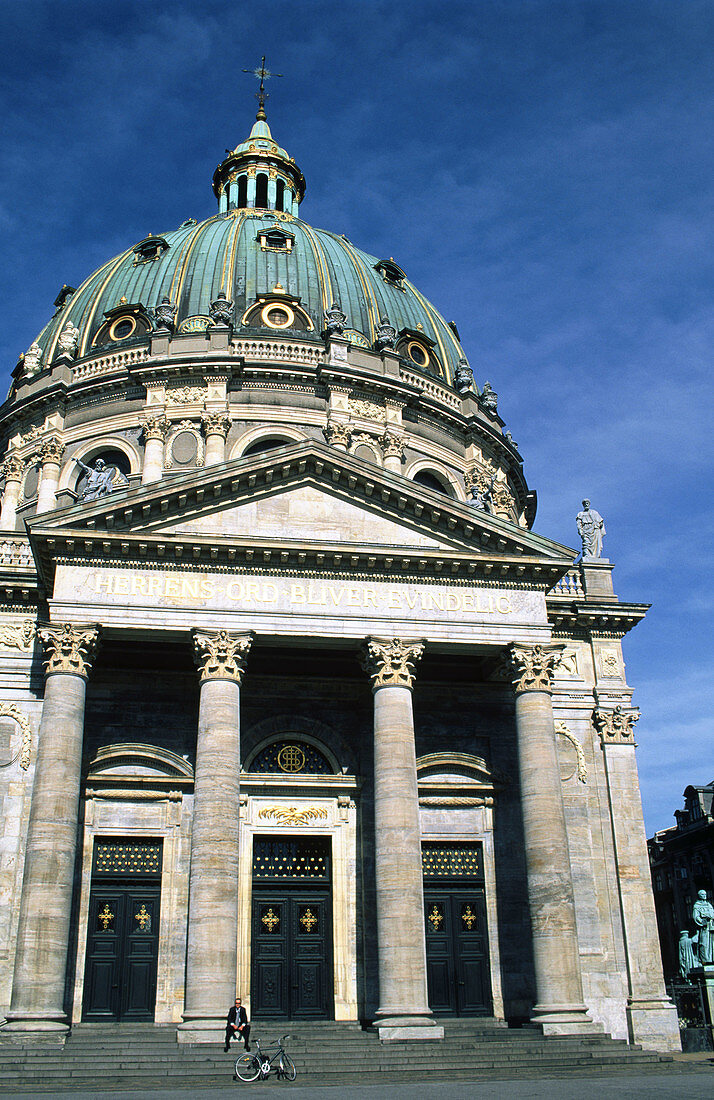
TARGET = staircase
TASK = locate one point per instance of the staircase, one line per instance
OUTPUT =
(132, 1056)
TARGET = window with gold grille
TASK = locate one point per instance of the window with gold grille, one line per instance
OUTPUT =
(452, 861)
(127, 857)
(288, 757)
(291, 858)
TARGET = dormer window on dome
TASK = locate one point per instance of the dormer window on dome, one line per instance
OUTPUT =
(415, 346)
(125, 322)
(391, 272)
(149, 249)
(276, 240)
(277, 310)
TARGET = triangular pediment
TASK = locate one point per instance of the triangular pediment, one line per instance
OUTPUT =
(304, 503)
(303, 512)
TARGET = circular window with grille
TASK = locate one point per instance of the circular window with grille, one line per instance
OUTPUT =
(277, 316)
(288, 757)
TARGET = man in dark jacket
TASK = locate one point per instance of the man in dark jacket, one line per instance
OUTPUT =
(237, 1026)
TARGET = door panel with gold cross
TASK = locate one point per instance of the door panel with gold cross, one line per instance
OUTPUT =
(457, 952)
(292, 971)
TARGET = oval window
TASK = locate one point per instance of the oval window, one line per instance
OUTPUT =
(122, 328)
(417, 354)
(277, 316)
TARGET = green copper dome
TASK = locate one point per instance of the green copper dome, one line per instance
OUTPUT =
(251, 254)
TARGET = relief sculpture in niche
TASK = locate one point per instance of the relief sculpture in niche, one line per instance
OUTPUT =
(11, 710)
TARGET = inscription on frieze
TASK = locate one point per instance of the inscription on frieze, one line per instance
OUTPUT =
(294, 595)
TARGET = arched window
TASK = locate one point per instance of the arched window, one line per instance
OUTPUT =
(432, 481)
(279, 192)
(291, 757)
(261, 190)
(242, 192)
(266, 444)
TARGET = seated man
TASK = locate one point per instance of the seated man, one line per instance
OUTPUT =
(237, 1025)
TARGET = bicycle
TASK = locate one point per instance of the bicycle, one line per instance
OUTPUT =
(250, 1067)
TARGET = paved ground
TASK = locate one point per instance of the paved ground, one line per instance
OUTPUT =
(685, 1081)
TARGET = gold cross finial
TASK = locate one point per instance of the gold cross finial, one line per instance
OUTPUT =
(262, 74)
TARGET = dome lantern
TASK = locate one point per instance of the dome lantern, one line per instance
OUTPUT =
(258, 174)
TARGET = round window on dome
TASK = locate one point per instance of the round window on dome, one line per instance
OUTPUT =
(277, 316)
(122, 328)
(417, 354)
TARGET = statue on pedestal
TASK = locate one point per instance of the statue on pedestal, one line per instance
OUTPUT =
(686, 954)
(100, 479)
(591, 528)
(703, 917)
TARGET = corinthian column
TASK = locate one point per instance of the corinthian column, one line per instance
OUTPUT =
(215, 425)
(651, 1016)
(403, 1011)
(559, 1009)
(51, 453)
(13, 469)
(211, 956)
(43, 933)
(155, 428)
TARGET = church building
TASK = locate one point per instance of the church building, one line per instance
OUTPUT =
(294, 703)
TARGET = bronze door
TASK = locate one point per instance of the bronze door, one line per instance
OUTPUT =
(457, 952)
(122, 949)
(292, 954)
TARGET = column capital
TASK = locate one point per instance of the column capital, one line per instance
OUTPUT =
(337, 434)
(13, 467)
(68, 648)
(155, 426)
(392, 445)
(617, 726)
(532, 668)
(216, 423)
(52, 449)
(390, 661)
(221, 655)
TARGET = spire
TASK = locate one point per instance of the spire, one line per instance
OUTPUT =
(262, 74)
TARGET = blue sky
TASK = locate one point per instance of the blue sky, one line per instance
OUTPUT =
(541, 170)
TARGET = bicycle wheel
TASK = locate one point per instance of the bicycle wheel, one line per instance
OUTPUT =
(247, 1067)
(287, 1067)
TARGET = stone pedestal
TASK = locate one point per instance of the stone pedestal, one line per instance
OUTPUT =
(651, 1016)
(560, 1009)
(155, 429)
(13, 469)
(37, 1003)
(211, 955)
(403, 1011)
(51, 453)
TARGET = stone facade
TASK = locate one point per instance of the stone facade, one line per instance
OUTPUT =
(283, 712)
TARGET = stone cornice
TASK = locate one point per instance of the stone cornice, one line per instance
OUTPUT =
(128, 525)
(592, 616)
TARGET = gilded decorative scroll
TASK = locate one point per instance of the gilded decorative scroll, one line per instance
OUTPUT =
(390, 663)
(290, 815)
(581, 770)
(11, 710)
